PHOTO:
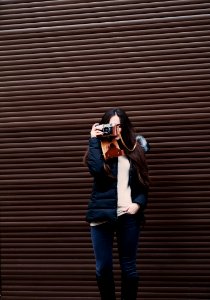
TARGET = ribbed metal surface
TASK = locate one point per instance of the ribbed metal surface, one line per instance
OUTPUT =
(63, 63)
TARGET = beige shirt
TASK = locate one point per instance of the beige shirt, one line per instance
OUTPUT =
(123, 189)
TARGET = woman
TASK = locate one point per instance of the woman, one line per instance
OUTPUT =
(116, 160)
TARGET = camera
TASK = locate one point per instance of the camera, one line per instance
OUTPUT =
(109, 129)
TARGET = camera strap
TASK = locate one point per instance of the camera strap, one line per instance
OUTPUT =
(125, 144)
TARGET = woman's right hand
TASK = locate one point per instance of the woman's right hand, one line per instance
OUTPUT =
(96, 131)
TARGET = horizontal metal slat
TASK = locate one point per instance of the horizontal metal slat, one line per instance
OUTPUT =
(87, 9)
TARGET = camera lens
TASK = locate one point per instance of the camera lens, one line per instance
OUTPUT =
(107, 130)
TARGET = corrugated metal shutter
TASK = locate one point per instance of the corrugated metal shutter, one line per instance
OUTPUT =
(63, 63)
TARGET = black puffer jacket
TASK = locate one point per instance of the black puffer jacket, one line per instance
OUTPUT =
(103, 203)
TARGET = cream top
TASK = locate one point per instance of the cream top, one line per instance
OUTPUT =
(123, 189)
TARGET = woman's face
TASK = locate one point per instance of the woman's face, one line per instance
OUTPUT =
(115, 120)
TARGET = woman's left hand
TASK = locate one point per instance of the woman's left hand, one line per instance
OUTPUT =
(132, 209)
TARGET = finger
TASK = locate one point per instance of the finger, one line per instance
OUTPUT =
(126, 209)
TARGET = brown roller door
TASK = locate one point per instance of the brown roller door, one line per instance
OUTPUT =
(62, 64)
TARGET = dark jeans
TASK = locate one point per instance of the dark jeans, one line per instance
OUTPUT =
(127, 231)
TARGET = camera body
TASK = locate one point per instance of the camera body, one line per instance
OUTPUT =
(109, 130)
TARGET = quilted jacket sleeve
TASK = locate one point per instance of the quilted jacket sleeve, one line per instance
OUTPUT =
(141, 199)
(95, 158)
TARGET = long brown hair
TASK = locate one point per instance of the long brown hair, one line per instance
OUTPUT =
(128, 135)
